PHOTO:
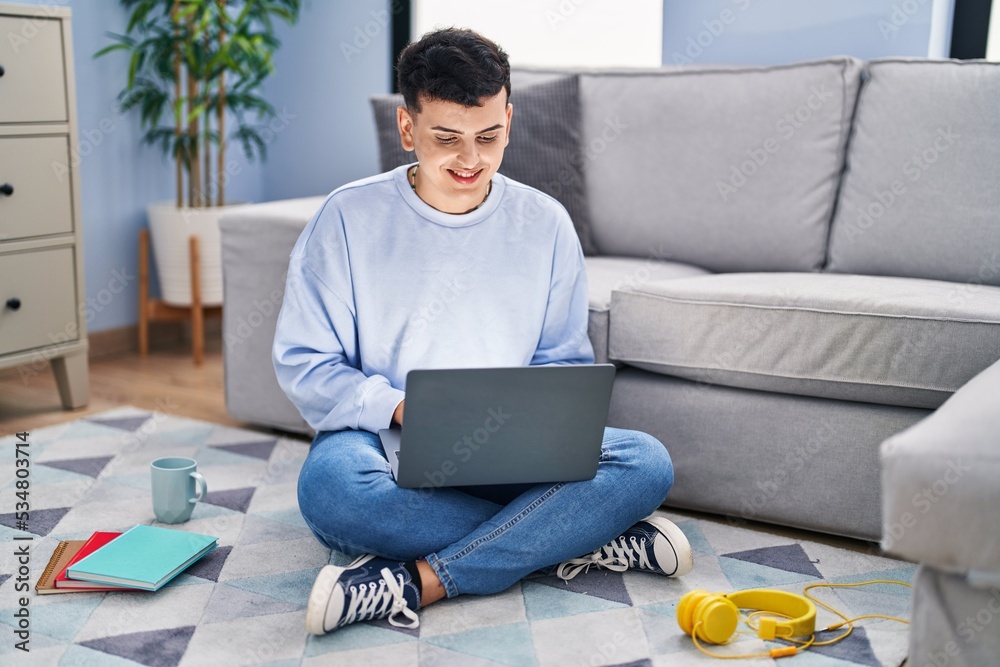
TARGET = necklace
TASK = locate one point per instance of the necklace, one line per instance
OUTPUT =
(413, 185)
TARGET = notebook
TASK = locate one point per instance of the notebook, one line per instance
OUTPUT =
(58, 562)
(95, 542)
(143, 557)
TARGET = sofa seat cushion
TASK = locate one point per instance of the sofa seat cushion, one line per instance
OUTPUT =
(895, 341)
(606, 274)
(939, 485)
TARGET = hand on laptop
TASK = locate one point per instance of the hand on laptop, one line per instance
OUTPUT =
(397, 416)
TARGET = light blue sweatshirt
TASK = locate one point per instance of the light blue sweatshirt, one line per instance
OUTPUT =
(380, 283)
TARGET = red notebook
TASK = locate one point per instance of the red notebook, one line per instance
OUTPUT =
(96, 541)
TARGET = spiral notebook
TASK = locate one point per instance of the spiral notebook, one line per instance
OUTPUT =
(60, 559)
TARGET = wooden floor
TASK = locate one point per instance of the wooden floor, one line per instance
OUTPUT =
(166, 380)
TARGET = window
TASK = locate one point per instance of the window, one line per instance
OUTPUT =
(993, 41)
(556, 33)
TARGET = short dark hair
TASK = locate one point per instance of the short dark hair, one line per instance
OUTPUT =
(454, 65)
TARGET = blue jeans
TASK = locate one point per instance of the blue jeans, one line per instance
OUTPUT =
(477, 539)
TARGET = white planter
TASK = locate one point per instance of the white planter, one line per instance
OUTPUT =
(170, 228)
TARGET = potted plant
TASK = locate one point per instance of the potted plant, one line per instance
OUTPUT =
(191, 62)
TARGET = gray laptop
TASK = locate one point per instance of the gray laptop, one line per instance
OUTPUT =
(511, 425)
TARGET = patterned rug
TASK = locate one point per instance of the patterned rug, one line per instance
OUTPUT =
(243, 604)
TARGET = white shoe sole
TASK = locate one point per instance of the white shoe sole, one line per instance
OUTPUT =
(322, 591)
(679, 542)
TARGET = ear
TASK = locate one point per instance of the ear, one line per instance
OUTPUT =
(405, 123)
(510, 113)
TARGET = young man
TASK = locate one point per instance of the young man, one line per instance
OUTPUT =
(447, 264)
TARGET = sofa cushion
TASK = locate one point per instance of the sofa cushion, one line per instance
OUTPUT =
(544, 144)
(895, 341)
(939, 478)
(606, 274)
(730, 169)
(920, 195)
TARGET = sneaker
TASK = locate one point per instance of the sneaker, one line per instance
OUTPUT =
(370, 588)
(655, 544)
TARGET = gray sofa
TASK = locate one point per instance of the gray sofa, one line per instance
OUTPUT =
(789, 265)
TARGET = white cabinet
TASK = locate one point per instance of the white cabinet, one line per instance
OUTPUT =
(42, 296)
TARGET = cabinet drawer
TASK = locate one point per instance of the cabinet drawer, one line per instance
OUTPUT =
(45, 283)
(33, 86)
(40, 204)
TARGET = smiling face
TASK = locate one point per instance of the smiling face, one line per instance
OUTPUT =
(459, 149)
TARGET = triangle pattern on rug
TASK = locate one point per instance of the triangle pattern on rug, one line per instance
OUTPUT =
(210, 566)
(257, 529)
(182, 435)
(78, 430)
(356, 636)
(905, 572)
(259, 450)
(229, 602)
(292, 517)
(384, 623)
(787, 557)
(541, 602)
(506, 644)
(61, 619)
(287, 586)
(77, 654)
(91, 467)
(604, 584)
(695, 537)
(854, 648)
(41, 522)
(742, 574)
(130, 424)
(153, 648)
(234, 499)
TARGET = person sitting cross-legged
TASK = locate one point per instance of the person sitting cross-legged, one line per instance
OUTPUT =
(503, 262)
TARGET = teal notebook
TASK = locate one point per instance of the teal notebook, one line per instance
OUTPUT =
(144, 557)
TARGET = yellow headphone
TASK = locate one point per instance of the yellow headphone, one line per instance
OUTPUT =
(714, 617)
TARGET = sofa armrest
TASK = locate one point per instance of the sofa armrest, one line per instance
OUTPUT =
(256, 243)
(941, 484)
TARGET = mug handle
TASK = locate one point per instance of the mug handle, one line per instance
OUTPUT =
(200, 487)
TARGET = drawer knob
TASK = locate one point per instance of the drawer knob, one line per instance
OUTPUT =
(13, 303)
(6, 189)
(1, 70)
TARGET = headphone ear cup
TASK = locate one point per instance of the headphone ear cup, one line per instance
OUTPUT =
(685, 609)
(716, 619)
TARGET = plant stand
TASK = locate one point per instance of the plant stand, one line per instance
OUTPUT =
(156, 310)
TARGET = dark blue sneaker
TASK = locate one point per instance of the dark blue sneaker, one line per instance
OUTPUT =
(370, 588)
(655, 544)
